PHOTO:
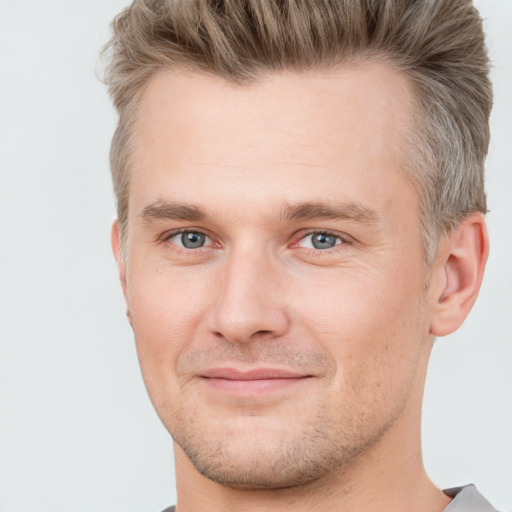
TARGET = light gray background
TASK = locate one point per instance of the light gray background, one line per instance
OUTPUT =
(77, 432)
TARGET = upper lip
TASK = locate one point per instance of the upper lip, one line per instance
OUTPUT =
(256, 374)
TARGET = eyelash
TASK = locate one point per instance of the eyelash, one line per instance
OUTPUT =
(343, 241)
(168, 236)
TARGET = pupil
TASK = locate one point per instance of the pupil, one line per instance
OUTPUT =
(192, 239)
(323, 241)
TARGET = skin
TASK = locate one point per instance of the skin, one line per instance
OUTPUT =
(258, 170)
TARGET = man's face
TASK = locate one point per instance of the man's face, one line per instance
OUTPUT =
(275, 275)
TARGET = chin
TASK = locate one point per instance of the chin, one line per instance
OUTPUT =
(253, 457)
(259, 468)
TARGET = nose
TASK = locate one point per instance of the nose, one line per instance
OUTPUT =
(249, 303)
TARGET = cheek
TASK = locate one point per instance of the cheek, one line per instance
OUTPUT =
(164, 299)
(165, 307)
(372, 325)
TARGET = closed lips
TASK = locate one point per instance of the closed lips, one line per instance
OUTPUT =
(257, 374)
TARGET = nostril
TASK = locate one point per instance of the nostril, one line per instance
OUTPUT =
(253, 335)
(238, 337)
(242, 321)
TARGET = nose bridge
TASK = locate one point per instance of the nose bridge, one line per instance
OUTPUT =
(249, 302)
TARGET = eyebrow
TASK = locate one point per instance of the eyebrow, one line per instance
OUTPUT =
(172, 211)
(343, 211)
(168, 210)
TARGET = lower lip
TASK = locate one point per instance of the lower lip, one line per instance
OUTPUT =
(252, 387)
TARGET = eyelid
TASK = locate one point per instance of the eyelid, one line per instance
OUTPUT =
(296, 238)
(345, 239)
(168, 235)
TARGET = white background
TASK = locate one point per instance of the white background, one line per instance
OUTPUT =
(77, 432)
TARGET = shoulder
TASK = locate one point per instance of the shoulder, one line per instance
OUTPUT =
(467, 499)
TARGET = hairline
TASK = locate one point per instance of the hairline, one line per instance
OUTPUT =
(412, 160)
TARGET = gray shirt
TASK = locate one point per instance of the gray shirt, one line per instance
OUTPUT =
(465, 499)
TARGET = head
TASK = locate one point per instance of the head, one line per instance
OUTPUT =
(289, 176)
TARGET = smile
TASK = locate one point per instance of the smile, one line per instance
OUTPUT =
(253, 382)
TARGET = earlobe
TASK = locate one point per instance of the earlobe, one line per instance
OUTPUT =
(460, 269)
(116, 249)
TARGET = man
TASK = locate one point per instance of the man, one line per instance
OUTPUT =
(300, 213)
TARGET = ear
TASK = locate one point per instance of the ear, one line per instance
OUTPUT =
(116, 249)
(459, 270)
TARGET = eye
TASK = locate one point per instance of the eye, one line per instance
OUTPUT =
(189, 239)
(320, 240)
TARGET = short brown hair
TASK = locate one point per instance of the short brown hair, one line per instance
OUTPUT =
(438, 44)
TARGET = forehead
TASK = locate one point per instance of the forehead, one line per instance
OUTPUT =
(302, 129)
(366, 96)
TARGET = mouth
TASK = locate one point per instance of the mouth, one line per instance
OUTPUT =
(251, 382)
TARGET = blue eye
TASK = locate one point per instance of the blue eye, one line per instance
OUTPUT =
(320, 241)
(190, 239)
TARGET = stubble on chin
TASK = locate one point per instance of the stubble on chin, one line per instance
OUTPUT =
(295, 449)
(294, 456)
